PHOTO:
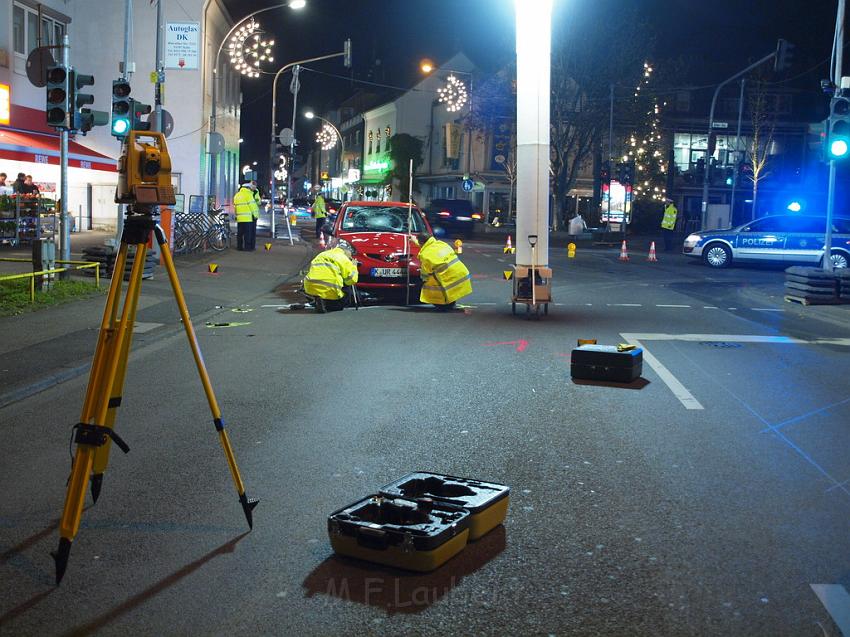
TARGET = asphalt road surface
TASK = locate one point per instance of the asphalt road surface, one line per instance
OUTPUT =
(709, 498)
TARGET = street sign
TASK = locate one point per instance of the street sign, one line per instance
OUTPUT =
(720, 124)
(468, 184)
(182, 45)
(167, 123)
(285, 137)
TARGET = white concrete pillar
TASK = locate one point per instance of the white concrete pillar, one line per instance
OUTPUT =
(533, 50)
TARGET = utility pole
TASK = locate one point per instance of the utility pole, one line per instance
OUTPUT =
(160, 71)
(611, 157)
(737, 149)
(837, 80)
(64, 226)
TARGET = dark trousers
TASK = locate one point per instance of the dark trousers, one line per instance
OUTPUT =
(319, 223)
(669, 236)
(246, 235)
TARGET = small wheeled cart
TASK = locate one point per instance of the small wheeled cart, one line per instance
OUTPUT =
(536, 295)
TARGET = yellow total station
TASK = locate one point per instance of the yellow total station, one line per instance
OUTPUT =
(144, 170)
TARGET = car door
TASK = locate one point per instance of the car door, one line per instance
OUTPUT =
(804, 239)
(761, 240)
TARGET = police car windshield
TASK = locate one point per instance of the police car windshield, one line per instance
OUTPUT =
(382, 219)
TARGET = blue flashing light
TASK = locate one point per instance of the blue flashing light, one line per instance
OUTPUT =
(795, 206)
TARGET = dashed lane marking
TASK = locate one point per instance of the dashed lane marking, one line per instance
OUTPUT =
(836, 600)
(663, 305)
(624, 304)
(766, 309)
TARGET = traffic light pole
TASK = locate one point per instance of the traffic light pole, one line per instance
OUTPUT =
(830, 197)
(707, 169)
(64, 226)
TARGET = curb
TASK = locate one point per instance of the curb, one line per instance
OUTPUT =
(81, 367)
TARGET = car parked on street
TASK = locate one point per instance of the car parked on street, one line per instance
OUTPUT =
(456, 216)
(385, 245)
(785, 238)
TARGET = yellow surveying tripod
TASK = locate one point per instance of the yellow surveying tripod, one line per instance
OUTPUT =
(144, 183)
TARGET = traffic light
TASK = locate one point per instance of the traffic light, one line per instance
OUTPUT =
(120, 108)
(784, 55)
(838, 129)
(59, 107)
(605, 172)
(625, 173)
(85, 118)
(137, 109)
(346, 60)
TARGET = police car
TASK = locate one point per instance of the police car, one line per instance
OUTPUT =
(788, 238)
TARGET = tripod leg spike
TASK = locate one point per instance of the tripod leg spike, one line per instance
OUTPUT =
(248, 505)
(60, 556)
(96, 486)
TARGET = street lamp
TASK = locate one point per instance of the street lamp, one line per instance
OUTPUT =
(327, 134)
(235, 37)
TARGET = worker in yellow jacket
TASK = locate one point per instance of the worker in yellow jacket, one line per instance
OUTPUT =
(330, 273)
(444, 278)
(246, 208)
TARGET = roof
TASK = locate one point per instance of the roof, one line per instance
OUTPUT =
(44, 149)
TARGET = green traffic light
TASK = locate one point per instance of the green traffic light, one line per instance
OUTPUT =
(838, 148)
(120, 126)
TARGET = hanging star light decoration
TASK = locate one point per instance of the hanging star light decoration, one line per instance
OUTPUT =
(453, 94)
(326, 137)
(248, 49)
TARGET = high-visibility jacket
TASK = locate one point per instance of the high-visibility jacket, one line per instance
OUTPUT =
(669, 220)
(319, 209)
(259, 201)
(445, 278)
(330, 271)
(245, 205)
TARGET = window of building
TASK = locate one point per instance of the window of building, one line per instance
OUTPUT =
(689, 150)
(25, 30)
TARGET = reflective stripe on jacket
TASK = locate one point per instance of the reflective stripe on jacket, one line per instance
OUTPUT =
(445, 278)
(330, 271)
(245, 205)
(669, 220)
(259, 201)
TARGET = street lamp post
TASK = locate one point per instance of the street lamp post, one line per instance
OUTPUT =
(311, 115)
(292, 4)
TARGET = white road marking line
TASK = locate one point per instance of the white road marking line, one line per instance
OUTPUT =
(283, 305)
(140, 327)
(836, 600)
(501, 260)
(766, 309)
(624, 304)
(662, 305)
(732, 308)
(679, 390)
(710, 307)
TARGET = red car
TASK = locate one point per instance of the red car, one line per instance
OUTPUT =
(385, 246)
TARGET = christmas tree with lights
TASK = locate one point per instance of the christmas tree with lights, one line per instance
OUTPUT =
(645, 146)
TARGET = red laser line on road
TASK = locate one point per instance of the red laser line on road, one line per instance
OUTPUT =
(520, 344)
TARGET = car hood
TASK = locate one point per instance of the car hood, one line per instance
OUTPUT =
(379, 243)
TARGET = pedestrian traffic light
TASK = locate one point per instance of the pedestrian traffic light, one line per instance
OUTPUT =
(625, 172)
(838, 129)
(59, 109)
(120, 108)
(784, 55)
(605, 172)
(137, 110)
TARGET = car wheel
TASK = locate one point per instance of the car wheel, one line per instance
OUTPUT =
(717, 255)
(839, 260)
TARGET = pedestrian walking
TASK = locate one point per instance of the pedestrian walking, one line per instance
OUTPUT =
(320, 213)
(246, 207)
(668, 225)
(331, 273)
(445, 278)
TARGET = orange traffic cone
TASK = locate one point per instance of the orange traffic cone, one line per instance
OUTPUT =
(624, 253)
(652, 258)
(508, 247)
(322, 243)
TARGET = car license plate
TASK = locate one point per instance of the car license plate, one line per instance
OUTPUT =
(387, 272)
(464, 218)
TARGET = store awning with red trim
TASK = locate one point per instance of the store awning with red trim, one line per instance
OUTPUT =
(43, 148)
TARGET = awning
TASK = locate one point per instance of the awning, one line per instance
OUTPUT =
(44, 149)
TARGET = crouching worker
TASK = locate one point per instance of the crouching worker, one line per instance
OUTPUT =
(444, 278)
(331, 273)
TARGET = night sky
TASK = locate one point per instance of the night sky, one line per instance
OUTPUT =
(709, 40)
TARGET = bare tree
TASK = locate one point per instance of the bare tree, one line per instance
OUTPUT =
(509, 167)
(763, 119)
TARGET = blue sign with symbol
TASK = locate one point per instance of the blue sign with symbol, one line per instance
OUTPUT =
(467, 185)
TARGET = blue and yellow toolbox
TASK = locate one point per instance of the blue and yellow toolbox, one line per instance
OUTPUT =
(417, 535)
(487, 502)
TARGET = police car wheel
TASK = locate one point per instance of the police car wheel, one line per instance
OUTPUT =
(717, 255)
(839, 260)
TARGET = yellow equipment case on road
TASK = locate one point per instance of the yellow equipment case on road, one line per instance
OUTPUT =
(487, 502)
(417, 535)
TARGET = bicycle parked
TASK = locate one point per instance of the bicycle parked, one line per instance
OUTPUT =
(194, 232)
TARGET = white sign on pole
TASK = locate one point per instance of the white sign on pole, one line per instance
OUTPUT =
(182, 45)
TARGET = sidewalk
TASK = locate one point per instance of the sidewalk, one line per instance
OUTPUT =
(47, 347)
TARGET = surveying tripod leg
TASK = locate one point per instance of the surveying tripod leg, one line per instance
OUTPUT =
(92, 438)
(116, 390)
(248, 504)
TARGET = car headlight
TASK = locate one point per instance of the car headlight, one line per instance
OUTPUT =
(692, 240)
